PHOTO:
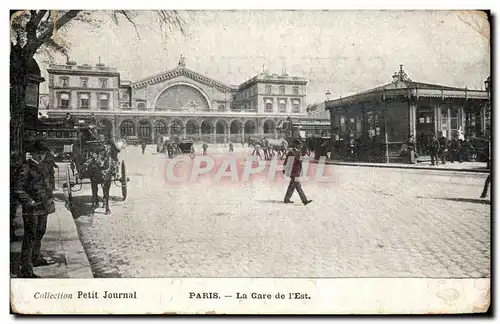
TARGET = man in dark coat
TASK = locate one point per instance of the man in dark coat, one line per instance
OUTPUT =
(454, 148)
(443, 148)
(143, 146)
(34, 192)
(295, 170)
(434, 150)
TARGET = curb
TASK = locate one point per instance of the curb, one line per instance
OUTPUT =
(77, 263)
(407, 167)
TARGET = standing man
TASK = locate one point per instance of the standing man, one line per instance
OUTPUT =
(143, 146)
(35, 194)
(231, 148)
(434, 150)
(294, 165)
(454, 147)
(443, 148)
(205, 147)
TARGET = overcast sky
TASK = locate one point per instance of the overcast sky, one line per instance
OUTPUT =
(343, 51)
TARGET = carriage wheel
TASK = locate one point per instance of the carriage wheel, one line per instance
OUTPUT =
(124, 181)
(69, 195)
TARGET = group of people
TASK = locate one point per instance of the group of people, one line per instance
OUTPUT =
(32, 185)
(456, 149)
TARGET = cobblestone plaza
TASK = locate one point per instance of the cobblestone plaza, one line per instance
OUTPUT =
(367, 222)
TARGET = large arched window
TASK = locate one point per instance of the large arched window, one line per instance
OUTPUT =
(127, 128)
(160, 127)
(175, 128)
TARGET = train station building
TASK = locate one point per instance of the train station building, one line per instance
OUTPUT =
(386, 116)
(177, 102)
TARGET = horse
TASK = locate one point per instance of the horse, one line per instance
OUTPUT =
(279, 146)
(100, 169)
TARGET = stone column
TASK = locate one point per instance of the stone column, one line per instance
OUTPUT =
(413, 119)
(461, 118)
(215, 133)
(242, 132)
(483, 119)
(184, 131)
(437, 121)
(199, 132)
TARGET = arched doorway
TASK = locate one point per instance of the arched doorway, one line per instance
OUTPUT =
(127, 128)
(160, 127)
(192, 128)
(250, 129)
(269, 127)
(106, 128)
(235, 131)
(220, 131)
(207, 130)
(176, 128)
(144, 130)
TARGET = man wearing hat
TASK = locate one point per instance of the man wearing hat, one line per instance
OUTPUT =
(295, 169)
(34, 192)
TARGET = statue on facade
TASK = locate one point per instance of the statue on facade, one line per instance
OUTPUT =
(182, 61)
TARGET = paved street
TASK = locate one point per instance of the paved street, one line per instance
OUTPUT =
(367, 222)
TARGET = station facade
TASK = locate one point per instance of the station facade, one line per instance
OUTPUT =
(178, 102)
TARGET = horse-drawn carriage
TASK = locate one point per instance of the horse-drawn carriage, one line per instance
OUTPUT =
(88, 155)
(314, 134)
(174, 147)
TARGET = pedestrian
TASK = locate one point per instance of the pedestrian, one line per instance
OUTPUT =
(486, 186)
(434, 150)
(466, 150)
(410, 144)
(443, 148)
(257, 150)
(205, 147)
(143, 146)
(33, 190)
(294, 165)
(454, 148)
(231, 148)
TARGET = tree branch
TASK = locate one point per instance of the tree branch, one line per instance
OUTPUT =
(39, 17)
(126, 15)
(32, 47)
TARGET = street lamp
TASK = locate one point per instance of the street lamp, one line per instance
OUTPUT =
(487, 84)
(328, 95)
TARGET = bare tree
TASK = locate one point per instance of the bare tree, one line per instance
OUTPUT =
(33, 31)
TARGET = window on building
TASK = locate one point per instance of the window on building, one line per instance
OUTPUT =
(296, 91)
(254, 90)
(64, 82)
(104, 83)
(222, 107)
(454, 121)
(64, 100)
(84, 101)
(84, 82)
(269, 105)
(254, 104)
(125, 106)
(282, 90)
(296, 106)
(141, 106)
(268, 89)
(282, 105)
(103, 101)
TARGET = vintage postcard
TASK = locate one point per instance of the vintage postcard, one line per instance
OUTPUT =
(250, 161)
